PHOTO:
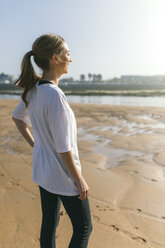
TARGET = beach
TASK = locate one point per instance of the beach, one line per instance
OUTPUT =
(122, 153)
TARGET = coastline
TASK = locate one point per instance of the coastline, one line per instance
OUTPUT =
(126, 199)
(100, 92)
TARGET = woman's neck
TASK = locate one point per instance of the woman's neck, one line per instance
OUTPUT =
(52, 77)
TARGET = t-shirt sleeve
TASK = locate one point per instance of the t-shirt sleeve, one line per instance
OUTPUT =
(22, 113)
(60, 126)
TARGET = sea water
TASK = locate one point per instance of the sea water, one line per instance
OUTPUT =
(155, 101)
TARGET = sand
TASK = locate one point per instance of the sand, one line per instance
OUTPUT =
(122, 153)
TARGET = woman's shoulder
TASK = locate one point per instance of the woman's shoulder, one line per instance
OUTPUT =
(57, 98)
(55, 90)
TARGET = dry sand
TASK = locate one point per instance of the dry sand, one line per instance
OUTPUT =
(122, 152)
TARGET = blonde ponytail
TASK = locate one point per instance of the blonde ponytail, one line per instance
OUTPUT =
(42, 49)
(28, 77)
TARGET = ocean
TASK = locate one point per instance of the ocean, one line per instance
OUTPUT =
(155, 101)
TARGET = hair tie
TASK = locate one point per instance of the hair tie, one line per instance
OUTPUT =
(31, 53)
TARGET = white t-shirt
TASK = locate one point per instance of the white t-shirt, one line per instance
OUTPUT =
(54, 130)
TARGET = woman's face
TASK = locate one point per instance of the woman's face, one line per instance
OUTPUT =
(65, 57)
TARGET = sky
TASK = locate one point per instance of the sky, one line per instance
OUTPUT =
(108, 37)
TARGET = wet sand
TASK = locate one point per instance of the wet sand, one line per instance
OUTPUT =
(122, 152)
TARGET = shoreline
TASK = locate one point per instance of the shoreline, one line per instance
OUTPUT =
(102, 92)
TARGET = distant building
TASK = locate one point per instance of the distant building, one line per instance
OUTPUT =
(4, 78)
(142, 79)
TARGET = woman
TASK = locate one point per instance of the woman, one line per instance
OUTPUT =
(56, 164)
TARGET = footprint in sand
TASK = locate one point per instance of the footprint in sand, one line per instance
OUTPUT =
(37, 239)
(105, 208)
(152, 179)
(139, 239)
(14, 181)
(96, 217)
(136, 227)
(104, 170)
(134, 172)
(115, 228)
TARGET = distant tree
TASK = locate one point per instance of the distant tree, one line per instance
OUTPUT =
(82, 77)
(68, 80)
(97, 77)
(94, 77)
(115, 79)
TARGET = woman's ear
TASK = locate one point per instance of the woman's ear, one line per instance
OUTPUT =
(54, 58)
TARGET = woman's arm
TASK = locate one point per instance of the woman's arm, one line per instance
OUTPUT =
(70, 163)
(24, 130)
(80, 181)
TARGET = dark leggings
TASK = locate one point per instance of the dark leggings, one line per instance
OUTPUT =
(78, 212)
